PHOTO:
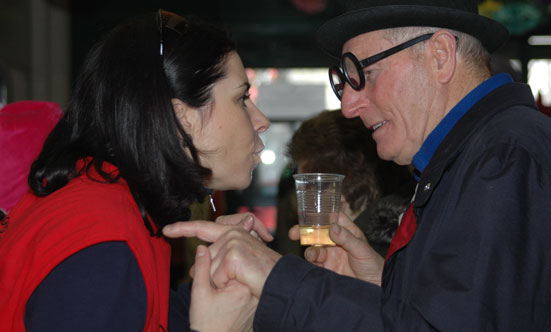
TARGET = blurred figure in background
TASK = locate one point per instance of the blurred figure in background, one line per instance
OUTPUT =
(375, 192)
(24, 126)
(287, 215)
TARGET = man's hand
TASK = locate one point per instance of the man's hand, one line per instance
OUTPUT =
(230, 308)
(352, 256)
(236, 254)
(239, 256)
(258, 229)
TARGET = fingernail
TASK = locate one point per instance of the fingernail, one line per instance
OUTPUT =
(248, 222)
(168, 228)
(309, 254)
(336, 229)
(201, 250)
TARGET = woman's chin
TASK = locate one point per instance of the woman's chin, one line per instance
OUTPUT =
(244, 184)
(234, 183)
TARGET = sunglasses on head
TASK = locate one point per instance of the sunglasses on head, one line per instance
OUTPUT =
(168, 20)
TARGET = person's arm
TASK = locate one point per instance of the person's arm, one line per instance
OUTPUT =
(178, 316)
(302, 291)
(100, 288)
(299, 296)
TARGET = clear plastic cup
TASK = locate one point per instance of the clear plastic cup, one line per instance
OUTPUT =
(318, 205)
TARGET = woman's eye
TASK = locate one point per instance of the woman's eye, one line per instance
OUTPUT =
(244, 98)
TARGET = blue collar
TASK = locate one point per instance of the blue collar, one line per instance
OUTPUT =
(425, 153)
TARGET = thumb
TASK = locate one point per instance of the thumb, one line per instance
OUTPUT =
(294, 233)
(247, 223)
(344, 238)
(201, 273)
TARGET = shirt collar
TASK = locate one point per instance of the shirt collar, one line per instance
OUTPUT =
(425, 153)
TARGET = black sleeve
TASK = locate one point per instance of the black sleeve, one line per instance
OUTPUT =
(100, 288)
(178, 317)
(299, 296)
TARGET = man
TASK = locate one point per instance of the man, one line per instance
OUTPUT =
(471, 253)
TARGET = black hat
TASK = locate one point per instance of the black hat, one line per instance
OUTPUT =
(370, 15)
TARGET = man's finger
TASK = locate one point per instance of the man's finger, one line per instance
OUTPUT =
(315, 254)
(294, 233)
(204, 230)
(347, 223)
(248, 221)
(344, 238)
(252, 226)
(261, 230)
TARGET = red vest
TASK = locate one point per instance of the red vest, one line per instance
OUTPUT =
(43, 231)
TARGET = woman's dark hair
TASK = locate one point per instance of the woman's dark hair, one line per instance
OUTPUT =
(121, 113)
(331, 143)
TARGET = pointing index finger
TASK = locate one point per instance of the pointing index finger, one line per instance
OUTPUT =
(204, 230)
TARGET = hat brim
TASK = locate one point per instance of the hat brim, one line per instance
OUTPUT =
(332, 35)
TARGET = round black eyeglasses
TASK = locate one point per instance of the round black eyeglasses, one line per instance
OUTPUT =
(351, 69)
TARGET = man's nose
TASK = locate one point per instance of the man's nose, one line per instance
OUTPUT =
(350, 101)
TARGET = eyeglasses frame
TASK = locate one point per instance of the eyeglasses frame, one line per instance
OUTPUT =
(360, 65)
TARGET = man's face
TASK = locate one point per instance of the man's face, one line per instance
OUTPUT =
(396, 100)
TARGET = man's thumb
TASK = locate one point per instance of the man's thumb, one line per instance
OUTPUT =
(343, 238)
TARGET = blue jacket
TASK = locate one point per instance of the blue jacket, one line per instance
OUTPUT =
(480, 259)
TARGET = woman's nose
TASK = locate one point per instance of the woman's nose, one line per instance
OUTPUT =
(259, 120)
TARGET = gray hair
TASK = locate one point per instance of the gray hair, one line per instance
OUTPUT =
(470, 49)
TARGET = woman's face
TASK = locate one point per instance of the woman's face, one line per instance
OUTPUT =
(227, 135)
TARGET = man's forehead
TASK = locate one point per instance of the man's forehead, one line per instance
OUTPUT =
(370, 42)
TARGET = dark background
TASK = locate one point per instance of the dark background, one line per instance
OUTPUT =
(277, 33)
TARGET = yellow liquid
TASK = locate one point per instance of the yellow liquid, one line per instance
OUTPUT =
(315, 236)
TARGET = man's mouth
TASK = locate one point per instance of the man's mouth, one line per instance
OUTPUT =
(378, 125)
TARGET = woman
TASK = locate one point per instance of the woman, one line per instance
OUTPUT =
(160, 116)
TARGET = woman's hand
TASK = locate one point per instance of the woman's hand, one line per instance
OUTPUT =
(230, 308)
(352, 256)
(247, 221)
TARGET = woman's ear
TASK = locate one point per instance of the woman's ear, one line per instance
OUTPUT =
(188, 116)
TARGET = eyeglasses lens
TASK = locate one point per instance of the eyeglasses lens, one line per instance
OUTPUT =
(353, 71)
(337, 81)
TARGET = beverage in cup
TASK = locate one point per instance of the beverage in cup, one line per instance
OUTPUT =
(318, 205)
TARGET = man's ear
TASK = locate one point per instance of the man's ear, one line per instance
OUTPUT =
(443, 47)
(188, 116)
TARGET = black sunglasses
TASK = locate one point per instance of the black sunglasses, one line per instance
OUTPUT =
(168, 20)
(351, 69)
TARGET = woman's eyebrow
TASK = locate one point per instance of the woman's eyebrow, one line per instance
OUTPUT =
(245, 84)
